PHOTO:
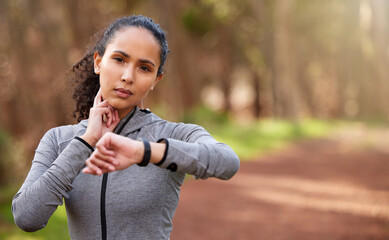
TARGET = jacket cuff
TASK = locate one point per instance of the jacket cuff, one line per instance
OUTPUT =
(180, 156)
(166, 151)
(167, 161)
(85, 142)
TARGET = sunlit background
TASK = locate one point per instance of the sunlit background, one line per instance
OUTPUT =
(256, 73)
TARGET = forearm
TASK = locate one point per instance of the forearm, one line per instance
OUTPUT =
(201, 159)
(157, 152)
(191, 149)
(44, 189)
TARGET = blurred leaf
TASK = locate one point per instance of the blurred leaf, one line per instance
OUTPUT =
(197, 20)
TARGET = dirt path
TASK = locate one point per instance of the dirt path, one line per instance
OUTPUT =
(316, 189)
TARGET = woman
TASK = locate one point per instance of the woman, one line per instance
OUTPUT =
(153, 155)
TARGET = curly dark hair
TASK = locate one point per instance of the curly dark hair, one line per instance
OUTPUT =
(86, 81)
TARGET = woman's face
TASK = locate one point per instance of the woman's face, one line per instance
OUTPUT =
(128, 69)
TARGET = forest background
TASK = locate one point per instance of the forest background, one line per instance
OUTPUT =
(244, 61)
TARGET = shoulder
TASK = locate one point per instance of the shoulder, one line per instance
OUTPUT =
(177, 130)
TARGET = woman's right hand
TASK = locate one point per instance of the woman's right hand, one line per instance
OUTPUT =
(97, 125)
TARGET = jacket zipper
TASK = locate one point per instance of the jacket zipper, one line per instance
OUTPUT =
(102, 207)
(104, 189)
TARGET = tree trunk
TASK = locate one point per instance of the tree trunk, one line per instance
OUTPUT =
(380, 40)
(286, 96)
(225, 45)
(257, 96)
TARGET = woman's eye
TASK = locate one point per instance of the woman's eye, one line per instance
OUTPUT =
(118, 59)
(145, 69)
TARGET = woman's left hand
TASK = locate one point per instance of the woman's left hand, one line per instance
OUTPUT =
(114, 152)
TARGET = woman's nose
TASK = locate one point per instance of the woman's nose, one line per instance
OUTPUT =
(128, 75)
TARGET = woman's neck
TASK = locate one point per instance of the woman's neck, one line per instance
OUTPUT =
(124, 113)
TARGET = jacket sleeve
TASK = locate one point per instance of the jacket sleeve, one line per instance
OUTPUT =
(191, 149)
(48, 181)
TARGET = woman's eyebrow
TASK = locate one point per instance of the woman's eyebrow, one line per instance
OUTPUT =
(146, 61)
(122, 53)
(140, 60)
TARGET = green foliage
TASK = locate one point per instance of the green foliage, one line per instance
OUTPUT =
(4, 156)
(206, 15)
(379, 120)
(12, 152)
(206, 117)
(250, 140)
(197, 20)
(4, 141)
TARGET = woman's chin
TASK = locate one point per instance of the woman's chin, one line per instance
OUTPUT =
(119, 104)
(123, 110)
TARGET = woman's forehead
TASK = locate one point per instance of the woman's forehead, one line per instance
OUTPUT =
(135, 39)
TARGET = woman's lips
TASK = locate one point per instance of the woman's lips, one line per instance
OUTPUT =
(123, 93)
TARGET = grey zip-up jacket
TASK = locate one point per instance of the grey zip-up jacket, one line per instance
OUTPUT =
(135, 203)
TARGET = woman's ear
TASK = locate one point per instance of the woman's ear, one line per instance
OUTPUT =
(157, 79)
(97, 62)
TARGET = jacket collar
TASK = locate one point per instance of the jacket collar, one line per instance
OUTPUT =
(133, 121)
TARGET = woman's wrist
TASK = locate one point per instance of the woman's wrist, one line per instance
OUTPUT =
(150, 152)
(90, 140)
(145, 159)
(157, 152)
